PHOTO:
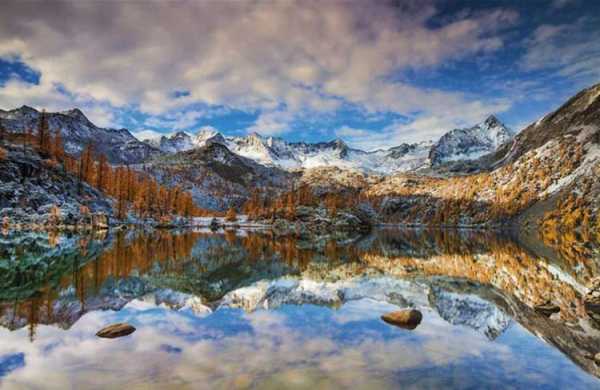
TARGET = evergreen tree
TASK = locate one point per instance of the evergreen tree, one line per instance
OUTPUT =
(43, 136)
(58, 147)
(231, 215)
(102, 174)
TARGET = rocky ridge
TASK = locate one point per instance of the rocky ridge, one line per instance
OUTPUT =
(119, 145)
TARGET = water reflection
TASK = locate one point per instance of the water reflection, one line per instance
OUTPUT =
(471, 285)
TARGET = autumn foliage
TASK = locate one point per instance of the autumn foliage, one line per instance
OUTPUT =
(231, 215)
(133, 191)
(285, 205)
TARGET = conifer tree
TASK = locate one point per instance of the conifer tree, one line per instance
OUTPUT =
(87, 164)
(231, 215)
(27, 138)
(102, 174)
(43, 136)
(58, 147)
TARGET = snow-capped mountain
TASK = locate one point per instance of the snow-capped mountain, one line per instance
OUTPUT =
(470, 310)
(119, 145)
(207, 135)
(174, 143)
(458, 144)
(275, 152)
(470, 143)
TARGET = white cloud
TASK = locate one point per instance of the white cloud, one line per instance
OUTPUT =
(177, 120)
(346, 131)
(308, 57)
(571, 50)
(423, 127)
(272, 123)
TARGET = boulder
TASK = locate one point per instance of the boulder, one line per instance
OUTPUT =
(547, 309)
(282, 227)
(214, 224)
(407, 319)
(591, 301)
(100, 220)
(116, 330)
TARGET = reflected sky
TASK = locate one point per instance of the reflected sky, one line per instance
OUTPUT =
(311, 318)
(293, 347)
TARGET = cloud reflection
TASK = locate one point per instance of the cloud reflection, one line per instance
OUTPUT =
(293, 347)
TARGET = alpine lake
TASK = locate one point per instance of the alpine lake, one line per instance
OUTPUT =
(246, 309)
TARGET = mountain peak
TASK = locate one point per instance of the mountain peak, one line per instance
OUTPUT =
(207, 135)
(470, 143)
(25, 109)
(255, 135)
(339, 141)
(76, 113)
(492, 121)
(180, 134)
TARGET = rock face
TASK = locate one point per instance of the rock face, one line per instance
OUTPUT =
(579, 116)
(547, 309)
(115, 330)
(179, 141)
(217, 178)
(592, 300)
(33, 191)
(119, 146)
(470, 143)
(407, 319)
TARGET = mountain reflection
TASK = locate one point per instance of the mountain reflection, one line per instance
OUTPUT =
(56, 279)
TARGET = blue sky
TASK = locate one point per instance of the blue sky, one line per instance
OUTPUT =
(374, 74)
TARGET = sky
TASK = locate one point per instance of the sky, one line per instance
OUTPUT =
(375, 74)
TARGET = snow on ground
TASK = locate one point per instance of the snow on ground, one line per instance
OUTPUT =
(592, 156)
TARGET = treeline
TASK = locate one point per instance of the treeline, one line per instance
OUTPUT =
(132, 190)
(285, 205)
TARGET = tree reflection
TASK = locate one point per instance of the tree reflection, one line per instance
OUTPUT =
(212, 264)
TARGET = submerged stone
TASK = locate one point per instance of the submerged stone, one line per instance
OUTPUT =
(116, 330)
(407, 319)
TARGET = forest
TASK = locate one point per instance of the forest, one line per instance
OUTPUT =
(132, 191)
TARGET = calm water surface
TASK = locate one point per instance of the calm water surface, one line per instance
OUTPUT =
(243, 309)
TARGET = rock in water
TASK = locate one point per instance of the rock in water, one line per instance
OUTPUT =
(407, 319)
(116, 330)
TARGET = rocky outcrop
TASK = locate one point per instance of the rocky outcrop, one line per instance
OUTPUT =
(318, 221)
(592, 301)
(36, 192)
(119, 145)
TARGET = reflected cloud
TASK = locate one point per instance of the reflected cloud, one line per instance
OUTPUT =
(312, 312)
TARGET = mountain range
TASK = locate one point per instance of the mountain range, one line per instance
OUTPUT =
(122, 147)
(458, 144)
(497, 175)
